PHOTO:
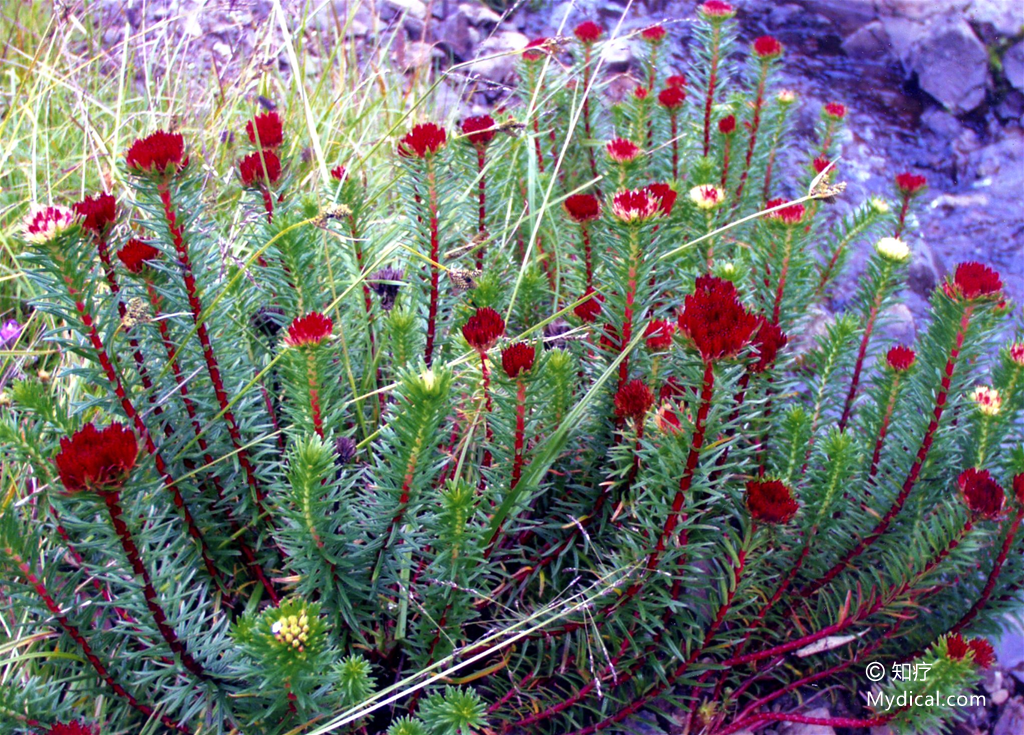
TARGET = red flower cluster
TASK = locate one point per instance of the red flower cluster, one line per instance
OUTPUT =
(672, 98)
(767, 48)
(635, 205)
(72, 728)
(97, 213)
(1017, 352)
(667, 420)
(590, 309)
(338, 173)
(479, 130)
(157, 153)
(768, 340)
(518, 358)
(715, 320)
(820, 164)
(900, 358)
(535, 50)
(676, 80)
(957, 649)
(659, 333)
(582, 207)
(727, 125)
(91, 459)
(716, 10)
(973, 280)
(136, 254)
(790, 216)
(483, 329)
(588, 32)
(654, 34)
(640, 93)
(835, 110)
(266, 130)
(771, 501)
(621, 150)
(1018, 487)
(422, 141)
(252, 172)
(982, 494)
(311, 329)
(633, 400)
(910, 184)
(665, 195)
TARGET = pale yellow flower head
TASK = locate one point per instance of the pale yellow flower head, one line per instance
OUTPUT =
(43, 224)
(988, 400)
(707, 196)
(893, 249)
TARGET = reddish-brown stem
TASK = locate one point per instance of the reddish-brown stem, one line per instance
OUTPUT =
(755, 125)
(213, 368)
(781, 288)
(112, 499)
(268, 203)
(588, 256)
(858, 366)
(481, 227)
(915, 470)
(902, 219)
(435, 259)
(884, 428)
(712, 81)
(674, 122)
(627, 317)
(826, 143)
(314, 393)
(520, 436)
(725, 159)
(802, 719)
(84, 645)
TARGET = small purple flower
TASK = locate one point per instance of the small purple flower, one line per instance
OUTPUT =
(10, 332)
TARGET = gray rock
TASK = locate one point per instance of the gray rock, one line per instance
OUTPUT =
(926, 269)
(847, 15)
(869, 42)
(479, 14)
(1011, 107)
(1013, 66)
(897, 325)
(952, 66)
(496, 57)
(617, 55)
(454, 33)
(412, 8)
(1011, 722)
(796, 728)
(1004, 17)
(941, 123)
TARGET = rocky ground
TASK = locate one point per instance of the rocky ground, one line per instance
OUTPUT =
(933, 86)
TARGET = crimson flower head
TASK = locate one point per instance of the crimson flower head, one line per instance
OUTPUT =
(672, 98)
(589, 310)
(479, 130)
(654, 34)
(900, 358)
(483, 329)
(820, 164)
(910, 184)
(582, 207)
(72, 728)
(633, 400)
(640, 93)
(768, 340)
(771, 501)
(518, 358)
(666, 419)
(422, 141)
(266, 130)
(588, 32)
(676, 80)
(835, 110)
(157, 153)
(767, 48)
(43, 224)
(1017, 353)
(659, 333)
(715, 320)
(338, 173)
(982, 494)
(136, 254)
(621, 150)
(957, 649)
(790, 216)
(535, 50)
(1018, 487)
(973, 280)
(97, 213)
(727, 125)
(716, 10)
(258, 168)
(636, 205)
(91, 459)
(311, 329)
(665, 195)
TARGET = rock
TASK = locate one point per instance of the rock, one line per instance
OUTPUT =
(926, 269)
(496, 57)
(1011, 722)
(1010, 646)
(941, 123)
(952, 66)
(1011, 107)
(454, 33)
(617, 55)
(897, 325)
(1013, 66)
(1004, 18)
(999, 696)
(869, 42)
(795, 728)
(412, 8)
(847, 15)
(992, 680)
(782, 15)
(479, 14)
(883, 730)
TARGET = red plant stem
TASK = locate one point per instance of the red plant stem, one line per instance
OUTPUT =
(112, 498)
(314, 393)
(993, 576)
(481, 161)
(902, 219)
(520, 436)
(190, 408)
(181, 249)
(140, 427)
(788, 249)
(485, 373)
(674, 121)
(858, 366)
(884, 428)
(268, 203)
(509, 694)
(712, 81)
(915, 470)
(755, 125)
(725, 159)
(627, 317)
(83, 644)
(802, 719)
(434, 257)
(826, 143)
(588, 256)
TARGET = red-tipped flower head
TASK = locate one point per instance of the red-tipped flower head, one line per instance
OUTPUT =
(635, 205)
(91, 459)
(835, 110)
(665, 195)
(768, 340)
(582, 207)
(900, 358)
(640, 93)
(588, 32)
(97, 213)
(621, 150)
(715, 320)
(266, 130)
(422, 141)
(252, 172)
(659, 333)
(633, 400)
(957, 649)
(311, 329)
(789, 216)
(518, 358)
(716, 10)
(589, 310)
(973, 280)
(654, 34)
(1018, 487)
(982, 494)
(910, 184)
(727, 125)
(771, 501)
(672, 98)
(72, 728)
(820, 164)
(536, 49)
(338, 173)
(479, 130)
(136, 254)
(43, 224)
(483, 329)
(157, 153)
(676, 80)
(767, 48)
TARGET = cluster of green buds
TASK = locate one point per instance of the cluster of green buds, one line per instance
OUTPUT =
(292, 631)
